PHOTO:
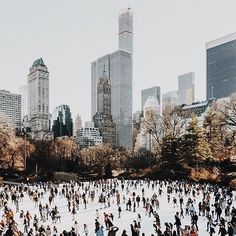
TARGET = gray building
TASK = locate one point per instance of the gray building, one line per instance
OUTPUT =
(119, 70)
(103, 118)
(186, 88)
(221, 67)
(10, 106)
(150, 92)
(62, 123)
(126, 30)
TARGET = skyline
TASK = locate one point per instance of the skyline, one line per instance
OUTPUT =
(70, 37)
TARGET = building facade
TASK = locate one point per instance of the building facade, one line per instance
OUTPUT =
(24, 100)
(126, 30)
(119, 70)
(62, 123)
(221, 67)
(10, 106)
(186, 88)
(170, 99)
(38, 97)
(88, 136)
(198, 109)
(77, 124)
(150, 92)
(103, 118)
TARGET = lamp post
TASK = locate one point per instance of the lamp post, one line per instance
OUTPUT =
(25, 151)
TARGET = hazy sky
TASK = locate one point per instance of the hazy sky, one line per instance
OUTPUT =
(169, 39)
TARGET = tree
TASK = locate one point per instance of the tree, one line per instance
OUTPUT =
(216, 133)
(195, 148)
(43, 157)
(66, 150)
(18, 150)
(98, 157)
(142, 159)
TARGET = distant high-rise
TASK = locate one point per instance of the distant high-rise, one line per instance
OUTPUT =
(62, 124)
(186, 88)
(170, 98)
(38, 97)
(221, 67)
(119, 71)
(77, 124)
(10, 107)
(126, 30)
(150, 92)
(24, 100)
(103, 118)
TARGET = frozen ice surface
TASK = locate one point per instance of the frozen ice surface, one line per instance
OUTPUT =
(87, 216)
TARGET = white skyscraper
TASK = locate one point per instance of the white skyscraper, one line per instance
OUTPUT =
(24, 100)
(38, 96)
(126, 30)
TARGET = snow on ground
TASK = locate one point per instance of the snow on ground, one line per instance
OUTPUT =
(87, 216)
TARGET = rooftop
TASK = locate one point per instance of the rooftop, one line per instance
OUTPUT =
(221, 40)
(39, 62)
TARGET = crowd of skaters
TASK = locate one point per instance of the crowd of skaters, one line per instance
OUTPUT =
(188, 200)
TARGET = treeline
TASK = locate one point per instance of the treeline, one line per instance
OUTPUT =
(183, 148)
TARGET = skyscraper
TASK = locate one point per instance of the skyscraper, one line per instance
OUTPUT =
(62, 124)
(38, 97)
(150, 92)
(170, 98)
(103, 118)
(186, 88)
(221, 67)
(24, 100)
(10, 107)
(77, 124)
(126, 30)
(119, 71)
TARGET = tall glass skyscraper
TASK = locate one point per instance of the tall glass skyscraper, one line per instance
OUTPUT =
(119, 70)
(126, 30)
(221, 67)
(62, 121)
(118, 66)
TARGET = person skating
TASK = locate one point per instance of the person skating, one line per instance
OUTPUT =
(119, 211)
(112, 231)
(222, 231)
(124, 233)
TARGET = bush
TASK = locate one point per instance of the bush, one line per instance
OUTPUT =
(65, 177)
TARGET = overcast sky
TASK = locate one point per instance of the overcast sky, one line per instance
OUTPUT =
(169, 40)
